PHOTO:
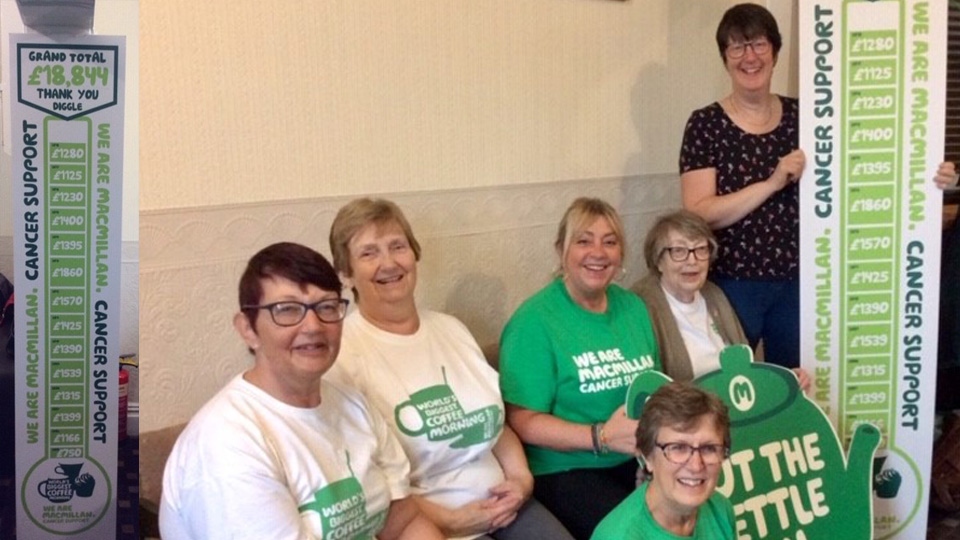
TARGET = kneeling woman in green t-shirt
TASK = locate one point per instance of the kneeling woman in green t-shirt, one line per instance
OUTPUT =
(683, 438)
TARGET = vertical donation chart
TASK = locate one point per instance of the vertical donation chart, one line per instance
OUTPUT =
(67, 129)
(872, 93)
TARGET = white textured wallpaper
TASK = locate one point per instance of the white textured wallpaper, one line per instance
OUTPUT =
(484, 251)
(248, 101)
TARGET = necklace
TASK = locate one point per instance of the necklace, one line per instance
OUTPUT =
(747, 116)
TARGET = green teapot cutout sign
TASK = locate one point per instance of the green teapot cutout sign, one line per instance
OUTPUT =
(787, 475)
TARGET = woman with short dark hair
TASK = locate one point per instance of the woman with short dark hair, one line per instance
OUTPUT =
(740, 162)
(280, 452)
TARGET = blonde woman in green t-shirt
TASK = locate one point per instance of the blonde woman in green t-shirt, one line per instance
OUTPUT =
(567, 356)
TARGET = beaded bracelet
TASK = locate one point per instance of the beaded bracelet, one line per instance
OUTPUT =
(599, 441)
(604, 448)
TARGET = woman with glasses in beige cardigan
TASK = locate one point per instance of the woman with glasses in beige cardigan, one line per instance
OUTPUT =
(692, 318)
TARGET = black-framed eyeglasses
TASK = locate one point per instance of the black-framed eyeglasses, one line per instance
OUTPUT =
(681, 253)
(290, 313)
(737, 50)
(680, 453)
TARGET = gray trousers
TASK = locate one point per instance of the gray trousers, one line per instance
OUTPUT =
(534, 522)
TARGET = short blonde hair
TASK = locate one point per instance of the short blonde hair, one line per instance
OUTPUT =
(684, 222)
(357, 214)
(579, 216)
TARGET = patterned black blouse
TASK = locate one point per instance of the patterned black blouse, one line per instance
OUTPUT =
(765, 243)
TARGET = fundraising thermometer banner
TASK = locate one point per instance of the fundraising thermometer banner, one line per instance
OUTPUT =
(872, 91)
(67, 127)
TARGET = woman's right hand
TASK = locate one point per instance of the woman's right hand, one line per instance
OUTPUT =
(789, 169)
(482, 516)
(698, 191)
(620, 432)
(476, 517)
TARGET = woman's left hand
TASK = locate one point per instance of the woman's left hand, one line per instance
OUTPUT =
(620, 432)
(803, 377)
(510, 495)
(946, 175)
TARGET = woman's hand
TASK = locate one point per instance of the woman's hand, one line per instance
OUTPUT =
(804, 378)
(518, 482)
(405, 521)
(789, 169)
(513, 494)
(946, 175)
(472, 518)
(481, 516)
(698, 191)
(620, 432)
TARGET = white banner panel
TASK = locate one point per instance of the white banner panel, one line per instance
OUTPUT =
(872, 88)
(67, 128)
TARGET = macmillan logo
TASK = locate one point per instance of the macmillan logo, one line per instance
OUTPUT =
(436, 412)
(603, 370)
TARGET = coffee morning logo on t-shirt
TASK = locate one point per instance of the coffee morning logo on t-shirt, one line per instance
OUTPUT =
(436, 412)
(342, 508)
(607, 369)
(787, 475)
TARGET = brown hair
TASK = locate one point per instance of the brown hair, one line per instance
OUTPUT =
(745, 22)
(357, 214)
(687, 223)
(681, 406)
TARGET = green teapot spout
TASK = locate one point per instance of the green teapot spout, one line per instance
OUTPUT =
(866, 439)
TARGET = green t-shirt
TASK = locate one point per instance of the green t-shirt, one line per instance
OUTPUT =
(632, 520)
(558, 358)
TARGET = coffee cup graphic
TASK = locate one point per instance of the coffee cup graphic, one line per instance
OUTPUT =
(56, 490)
(70, 470)
(413, 416)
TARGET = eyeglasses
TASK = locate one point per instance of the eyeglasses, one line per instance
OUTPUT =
(290, 313)
(737, 50)
(681, 253)
(680, 453)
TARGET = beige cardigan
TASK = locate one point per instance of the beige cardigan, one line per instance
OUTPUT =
(673, 351)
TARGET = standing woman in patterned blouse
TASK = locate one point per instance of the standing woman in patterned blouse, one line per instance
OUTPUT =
(739, 168)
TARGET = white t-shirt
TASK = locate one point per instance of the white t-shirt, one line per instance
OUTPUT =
(250, 466)
(439, 395)
(700, 334)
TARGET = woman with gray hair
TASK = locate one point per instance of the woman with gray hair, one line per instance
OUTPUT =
(692, 318)
(683, 438)
(428, 377)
